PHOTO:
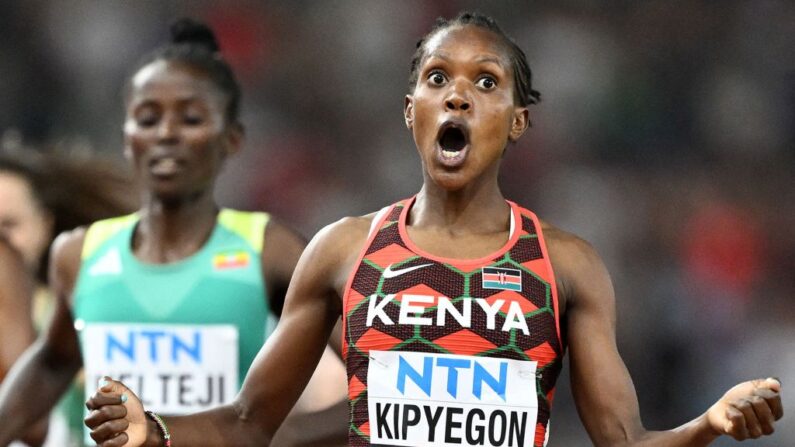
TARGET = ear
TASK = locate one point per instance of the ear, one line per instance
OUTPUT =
(519, 123)
(408, 111)
(235, 135)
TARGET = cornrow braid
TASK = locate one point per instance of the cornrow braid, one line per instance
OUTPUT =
(194, 44)
(523, 77)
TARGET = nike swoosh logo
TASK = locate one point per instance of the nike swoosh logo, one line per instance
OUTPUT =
(389, 273)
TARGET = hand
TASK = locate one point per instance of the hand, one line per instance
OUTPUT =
(748, 410)
(117, 416)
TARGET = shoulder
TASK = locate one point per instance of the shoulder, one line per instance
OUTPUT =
(65, 258)
(333, 251)
(576, 263)
(344, 236)
(567, 249)
(278, 235)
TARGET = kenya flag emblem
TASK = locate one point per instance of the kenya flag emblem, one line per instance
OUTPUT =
(502, 278)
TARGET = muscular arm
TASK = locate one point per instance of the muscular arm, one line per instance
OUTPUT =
(45, 370)
(602, 388)
(281, 250)
(279, 373)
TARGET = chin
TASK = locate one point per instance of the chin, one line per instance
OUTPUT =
(450, 181)
(168, 194)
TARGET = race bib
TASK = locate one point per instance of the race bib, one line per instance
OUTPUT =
(450, 400)
(174, 369)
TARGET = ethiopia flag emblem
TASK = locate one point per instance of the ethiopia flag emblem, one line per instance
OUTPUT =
(231, 260)
(502, 278)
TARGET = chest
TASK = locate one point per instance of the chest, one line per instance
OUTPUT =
(453, 246)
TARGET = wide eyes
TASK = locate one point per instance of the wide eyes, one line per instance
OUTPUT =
(438, 79)
(486, 83)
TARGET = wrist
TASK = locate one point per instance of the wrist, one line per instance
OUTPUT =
(154, 433)
(706, 432)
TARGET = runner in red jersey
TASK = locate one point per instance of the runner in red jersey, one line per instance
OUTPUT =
(453, 314)
(453, 318)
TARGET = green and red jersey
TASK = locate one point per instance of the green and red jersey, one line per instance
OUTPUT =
(445, 352)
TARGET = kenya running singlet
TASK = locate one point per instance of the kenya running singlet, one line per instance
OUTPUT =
(181, 335)
(444, 352)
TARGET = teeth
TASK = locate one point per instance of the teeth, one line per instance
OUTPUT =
(165, 166)
(167, 163)
(449, 154)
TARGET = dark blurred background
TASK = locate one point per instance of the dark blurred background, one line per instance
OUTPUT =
(665, 137)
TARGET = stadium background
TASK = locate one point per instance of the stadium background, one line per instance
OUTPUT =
(665, 136)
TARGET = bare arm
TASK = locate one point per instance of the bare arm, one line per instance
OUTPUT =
(281, 250)
(46, 369)
(603, 390)
(279, 373)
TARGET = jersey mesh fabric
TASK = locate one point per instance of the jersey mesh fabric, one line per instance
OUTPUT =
(458, 280)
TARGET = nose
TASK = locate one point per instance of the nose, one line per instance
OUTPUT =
(457, 103)
(457, 99)
(168, 130)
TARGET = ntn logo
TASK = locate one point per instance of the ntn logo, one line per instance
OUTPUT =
(154, 345)
(454, 371)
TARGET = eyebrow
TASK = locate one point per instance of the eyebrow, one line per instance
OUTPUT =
(439, 55)
(491, 59)
(482, 59)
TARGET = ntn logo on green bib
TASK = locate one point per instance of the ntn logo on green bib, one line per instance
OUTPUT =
(174, 369)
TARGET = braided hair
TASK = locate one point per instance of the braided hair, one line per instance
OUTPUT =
(523, 77)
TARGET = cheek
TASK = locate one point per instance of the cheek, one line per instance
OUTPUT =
(31, 238)
(495, 125)
(135, 144)
(424, 129)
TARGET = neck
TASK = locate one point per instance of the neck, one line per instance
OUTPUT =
(477, 208)
(172, 230)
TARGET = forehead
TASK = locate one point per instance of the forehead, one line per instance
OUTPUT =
(467, 41)
(166, 80)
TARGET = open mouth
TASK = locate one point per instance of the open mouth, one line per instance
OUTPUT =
(453, 139)
(165, 166)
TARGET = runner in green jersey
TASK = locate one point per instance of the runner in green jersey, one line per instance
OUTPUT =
(176, 296)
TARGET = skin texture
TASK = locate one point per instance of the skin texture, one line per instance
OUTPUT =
(459, 213)
(15, 291)
(16, 327)
(23, 221)
(25, 229)
(174, 112)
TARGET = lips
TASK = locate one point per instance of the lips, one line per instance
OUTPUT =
(165, 166)
(452, 143)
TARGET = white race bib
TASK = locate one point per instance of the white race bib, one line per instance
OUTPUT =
(174, 369)
(450, 400)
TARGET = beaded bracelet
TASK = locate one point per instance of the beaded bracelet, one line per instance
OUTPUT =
(161, 425)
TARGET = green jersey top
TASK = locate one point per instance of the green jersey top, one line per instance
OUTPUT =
(182, 335)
